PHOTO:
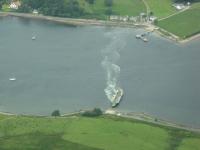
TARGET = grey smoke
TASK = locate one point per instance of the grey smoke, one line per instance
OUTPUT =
(111, 57)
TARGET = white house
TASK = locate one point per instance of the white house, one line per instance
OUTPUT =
(14, 5)
(132, 18)
(35, 11)
(114, 17)
(123, 18)
(152, 18)
(179, 6)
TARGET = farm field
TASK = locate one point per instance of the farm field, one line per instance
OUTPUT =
(120, 7)
(184, 24)
(161, 8)
(82, 133)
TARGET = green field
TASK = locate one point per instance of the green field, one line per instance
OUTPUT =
(161, 8)
(184, 24)
(120, 7)
(82, 133)
(6, 8)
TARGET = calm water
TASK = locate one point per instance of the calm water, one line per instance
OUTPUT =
(62, 70)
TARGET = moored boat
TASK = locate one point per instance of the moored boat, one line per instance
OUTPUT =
(138, 36)
(33, 37)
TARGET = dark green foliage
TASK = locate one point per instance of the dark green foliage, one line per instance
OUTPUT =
(108, 3)
(55, 113)
(3, 2)
(156, 21)
(73, 9)
(109, 11)
(151, 13)
(176, 137)
(92, 113)
(90, 1)
(61, 8)
(25, 8)
(40, 141)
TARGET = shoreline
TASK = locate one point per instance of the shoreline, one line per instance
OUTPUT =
(194, 37)
(84, 22)
(147, 118)
(175, 38)
(140, 116)
(73, 21)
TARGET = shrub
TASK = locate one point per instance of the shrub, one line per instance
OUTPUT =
(93, 113)
(156, 21)
(55, 113)
(90, 1)
(108, 11)
(108, 3)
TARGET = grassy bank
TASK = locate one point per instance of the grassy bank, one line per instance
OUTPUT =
(161, 8)
(185, 24)
(82, 133)
(119, 7)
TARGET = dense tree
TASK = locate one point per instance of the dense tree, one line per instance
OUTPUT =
(108, 11)
(90, 1)
(108, 3)
(93, 113)
(4, 2)
(55, 113)
(62, 8)
(151, 13)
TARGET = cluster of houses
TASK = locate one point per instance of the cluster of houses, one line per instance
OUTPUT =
(141, 18)
(180, 6)
(14, 4)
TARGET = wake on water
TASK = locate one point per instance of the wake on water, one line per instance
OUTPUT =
(111, 55)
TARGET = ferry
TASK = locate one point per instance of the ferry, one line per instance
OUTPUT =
(117, 97)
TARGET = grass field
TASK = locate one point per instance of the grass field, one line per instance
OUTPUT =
(120, 7)
(161, 8)
(82, 133)
(184, 24)
(190, 144)
(6, 8)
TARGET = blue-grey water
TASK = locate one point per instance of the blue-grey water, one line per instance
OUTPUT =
(62, 69)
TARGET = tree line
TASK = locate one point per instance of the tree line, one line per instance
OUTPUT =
(62, 8)
(65, 8)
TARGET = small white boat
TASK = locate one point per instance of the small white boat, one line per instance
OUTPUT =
(145, 39)
(12, 79)
(138, 36)
(33, 37)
